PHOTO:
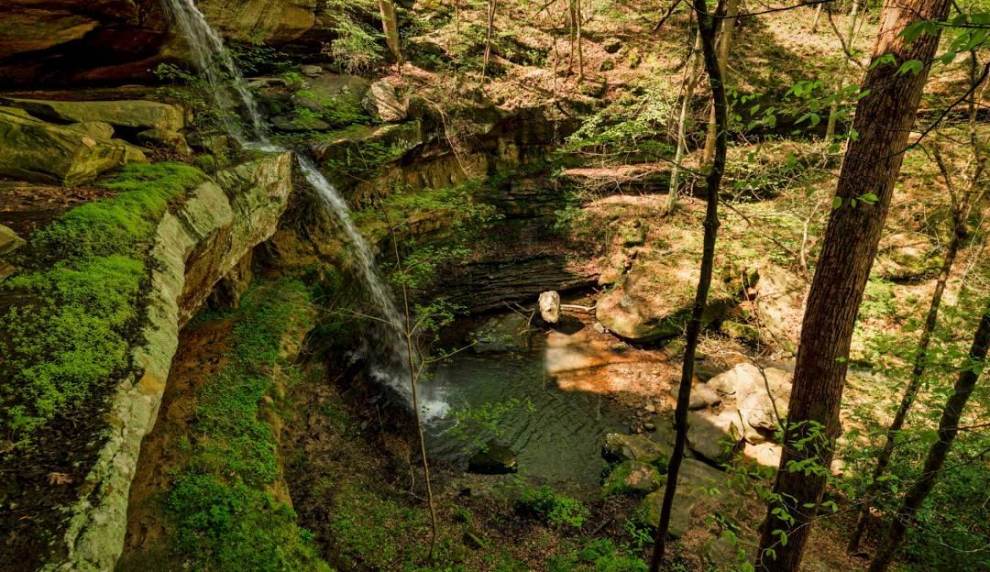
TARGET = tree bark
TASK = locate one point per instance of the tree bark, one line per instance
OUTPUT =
(948, 427)
(883, 120)
(579, 31)
(390, 25)
(724, 46)
(706, 30)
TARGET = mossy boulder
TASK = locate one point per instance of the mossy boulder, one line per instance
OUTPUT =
(639, 448)
(34, 150)
(633, 478)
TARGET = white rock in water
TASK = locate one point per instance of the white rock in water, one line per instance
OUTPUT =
(550, 307)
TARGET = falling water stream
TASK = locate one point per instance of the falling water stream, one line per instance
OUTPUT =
(225, 80)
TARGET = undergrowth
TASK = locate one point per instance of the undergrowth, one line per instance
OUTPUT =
(224, 515)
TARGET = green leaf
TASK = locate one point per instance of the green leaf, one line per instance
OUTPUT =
(911, 66)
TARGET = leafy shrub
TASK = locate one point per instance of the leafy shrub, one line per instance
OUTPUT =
(358, 46)
(553, 508)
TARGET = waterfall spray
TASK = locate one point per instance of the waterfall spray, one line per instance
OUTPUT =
(224, 77)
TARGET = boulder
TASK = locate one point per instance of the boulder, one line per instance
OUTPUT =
(494, 459)
(272, 22)
(550, 307)
(9, 241)
(620, 447)
(397, 138)
(654, 299)
(34, 150)
(763, 454)
(383, 104)
(132, 114)
(715, 437)
(632, 477)
(691, 499)
(702, 396)
(311, 70)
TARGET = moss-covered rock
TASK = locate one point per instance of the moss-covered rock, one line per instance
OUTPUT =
(135, 114)
(35, 150)
(632, 477)
(694, 480)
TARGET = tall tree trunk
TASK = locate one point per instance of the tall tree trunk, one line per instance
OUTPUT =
(948, 427)
(706, 28)
(914, 384)
(488, 38)
(883, 120)
(390, 25)
(691, 78)
(833, 111)
(724, 46)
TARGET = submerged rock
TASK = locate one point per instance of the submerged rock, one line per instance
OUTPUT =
(34, 150)
(505, 333)
(494, 459)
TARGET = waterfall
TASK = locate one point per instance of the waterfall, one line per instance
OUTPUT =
(224, 77)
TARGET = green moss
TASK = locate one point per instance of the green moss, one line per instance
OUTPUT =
(597, 556)
(232, 526)
(78, 298)
(122, 224)
(223, 513)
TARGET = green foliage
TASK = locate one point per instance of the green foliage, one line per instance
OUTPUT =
(555, 509)
(70, 336)
(341, 110)
(235, 527)
(221, 507)
(357, 46)
(631, 129)
(599, 555)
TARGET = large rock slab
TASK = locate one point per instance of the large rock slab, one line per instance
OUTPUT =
(135, 114)
(691, 499)
(261, 21)
(640, 448)
(35, 150)
(195, 246)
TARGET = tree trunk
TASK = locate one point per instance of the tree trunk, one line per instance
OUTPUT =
(706, 30)
(883, 120)
(690, 82)
(724, 45)
(390, 25)
(914, 384)
(833, 111)
(948, 427)
(488, 38)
